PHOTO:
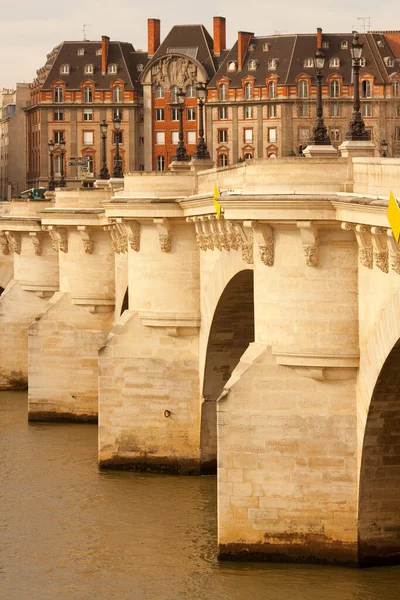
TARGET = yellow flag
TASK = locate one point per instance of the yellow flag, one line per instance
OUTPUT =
(393, 215)
(217, 205)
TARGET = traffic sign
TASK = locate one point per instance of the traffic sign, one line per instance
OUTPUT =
(79, 161)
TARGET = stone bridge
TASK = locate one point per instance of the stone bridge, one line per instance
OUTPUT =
(263, 345)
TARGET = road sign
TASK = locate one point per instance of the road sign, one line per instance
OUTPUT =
(79, 161)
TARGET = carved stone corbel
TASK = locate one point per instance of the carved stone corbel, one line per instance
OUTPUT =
(365, 253)
(36, 242)
(309, 239)
(201, 239)
(380, 248)
(58, 236)
(4, 243)
(122, 235)
(164, 236)
(14, 241)
(246, 233)
(394, 252)
(133, 233)
(264, 238)
(87, 242)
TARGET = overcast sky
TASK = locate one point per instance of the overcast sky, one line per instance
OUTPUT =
(29, 29)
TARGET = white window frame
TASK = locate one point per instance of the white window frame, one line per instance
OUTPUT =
(222, 110)
(58, 94)
(88, 114)
(160, 138)
(88, 94)
(248, 91)
(160, 114)
(175, 137)
(223, 160)
(272, 111)
(117, 93)
(89, 69)
(64, 70)
(366, 109)
(190, 91)
(112, 69)
(308, 63)
(248, 135)
(160, 163)
(334, 89)
(334, 109)
(222, 136)
(223, 91)
(272, 135)
(88, 138)
(334, 63)
(191, 113)
(174, 114)
(247, 112)
(272, 89)
(159, 91)
(191, 137)
(303, 89)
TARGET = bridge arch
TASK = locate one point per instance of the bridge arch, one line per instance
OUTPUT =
(231, 332)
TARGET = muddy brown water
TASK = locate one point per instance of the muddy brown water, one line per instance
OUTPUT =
(70, 532)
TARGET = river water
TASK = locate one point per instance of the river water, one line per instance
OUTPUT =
(70, 532)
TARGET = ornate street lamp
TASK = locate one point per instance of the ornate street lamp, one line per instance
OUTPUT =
(117, 172)
(384, 148)
(62, 182)
(201, 148)
(357, 130)
(181, 154)
(51, 187)
(320, 135)
(104, 172)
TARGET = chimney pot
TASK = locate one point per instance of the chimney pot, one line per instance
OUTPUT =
(153, 35)
(219, 34)
(319, 38)
(105, 42)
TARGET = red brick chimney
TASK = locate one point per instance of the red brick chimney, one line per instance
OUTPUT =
(105, 42)
(153, 35)
(219, 34)
(319, 38)
(244, 38)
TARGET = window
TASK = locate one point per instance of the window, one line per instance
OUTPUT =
(334, 62)
(222, 112)
(334, 109)
(248, 156)
(173, 91)
(58, 115)
(58, 94)
(272, 135)
(232, 65)
(87, 94)
(362, 62)
(191, 114)
(98, 52)
(272, 89)
(119, 136)
(58, 136)
(222, 160)
(304, 133)
(309, 62)
(325, 44)
(272, 64)
(175, 137)
(271, 111)
(248, 112)
(159, 91)
(366, 109)
(141, 141)
(160, 163)
(159, 114)
(335, 135)
(141, 167)
(117, 113)
(190, 91)
(174, 114)
(117, 93)
(90, 166)
(389, 61)
(88, 138)
(88, 70)
(248, 135)
(223, 92)
(253, 64)
(140, 68)
(396, 88)
(272, 155)
(88, 114)
(160, 138)
(222, 135)
(303, 110)
(334, 89)
(344, 45)
(112, 69)
(81, 51)
(64, 70)
(248, 91)
(266, 47)
(57, 165)
(366, 89)
(191, 137)
(303, 89)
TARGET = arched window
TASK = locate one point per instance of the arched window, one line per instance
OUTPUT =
(309, 62)
(334, 89)
(58, 94)
(88, 93)
(396, 88)
(272, 89)
(253, 65)
(303, 89)
(88, 69)
(64, 70)
(222, 160)
(112, 68)
(248, 156)
(190, 91)
(366, 89)
(248, 91)
(174, 91)
(334, 62)
(272, 64)
(232, 65)
(160, 163)
(117, 93)
(223, 91)
(159, 91)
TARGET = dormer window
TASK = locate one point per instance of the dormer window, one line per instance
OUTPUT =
(252, 47)
(334, 62)
(253, 64)
(98, 52)
(325, 44)
(381, 44)
(232, 65)
(64, 70)
(89, 69)
(344, 45)
(248, 91)
(362, 62)
(81, 51)
(389, 62)
(112, 68)
(139, 68)
(266, 47)
(309, 62)
(272, 64)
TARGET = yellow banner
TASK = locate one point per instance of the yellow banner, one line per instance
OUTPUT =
(393, 215)
(217, 205)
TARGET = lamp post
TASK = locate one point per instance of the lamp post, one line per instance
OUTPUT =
(201, 148)
(320, 135)
(117, 172)
(62, 182)
(357, 130)
(384, 148)
(51, 187)
(181, 154)
(104, 173)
